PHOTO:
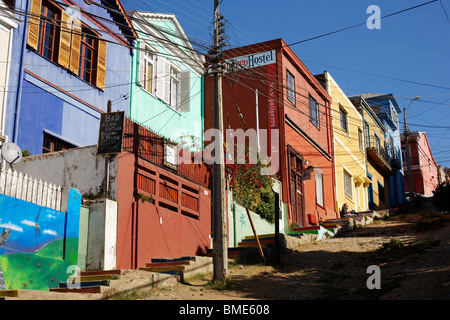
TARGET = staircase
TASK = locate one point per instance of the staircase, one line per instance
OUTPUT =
(90, 282)
(175, 266)
(321, 231)
(266, 240)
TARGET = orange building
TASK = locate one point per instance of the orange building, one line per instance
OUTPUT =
(267, 87)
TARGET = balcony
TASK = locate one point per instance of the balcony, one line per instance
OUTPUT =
(378, 156)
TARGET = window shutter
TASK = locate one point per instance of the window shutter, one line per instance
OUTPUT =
(166, 80)
(75, 46)
(34, 22)
(141, 66)
(185, 91)
(101, 65)
(64, 40)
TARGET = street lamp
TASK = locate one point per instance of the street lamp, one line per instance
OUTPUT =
(416, 98)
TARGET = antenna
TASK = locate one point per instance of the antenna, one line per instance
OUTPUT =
(11, 153)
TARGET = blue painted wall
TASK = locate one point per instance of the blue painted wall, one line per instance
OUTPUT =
(46, 97)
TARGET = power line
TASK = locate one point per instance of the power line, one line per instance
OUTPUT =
(360, 24)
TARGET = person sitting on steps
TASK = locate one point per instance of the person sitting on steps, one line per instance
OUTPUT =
(345, 211)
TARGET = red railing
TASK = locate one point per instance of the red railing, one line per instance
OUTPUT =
(149, 146)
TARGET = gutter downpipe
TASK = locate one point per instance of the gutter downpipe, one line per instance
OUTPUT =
(20, 81)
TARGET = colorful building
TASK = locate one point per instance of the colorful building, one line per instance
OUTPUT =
(349, 152)
(423, 166)
(71, 60)
(378, 167)
(166, 80)
(155, 210)
(8, 22)
(387, 110)
(267, 88)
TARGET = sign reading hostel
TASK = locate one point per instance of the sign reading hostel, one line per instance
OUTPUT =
(110, 132)
(252, 60)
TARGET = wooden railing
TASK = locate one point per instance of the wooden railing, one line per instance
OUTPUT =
(149, 146)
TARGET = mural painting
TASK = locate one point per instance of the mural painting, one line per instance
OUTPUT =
(37, 244)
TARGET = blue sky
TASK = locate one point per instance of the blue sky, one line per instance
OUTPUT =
(408, 56)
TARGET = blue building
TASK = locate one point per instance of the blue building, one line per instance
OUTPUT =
(70, 58)
(386, 108)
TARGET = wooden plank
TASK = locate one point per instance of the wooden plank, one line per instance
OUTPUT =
(256, 236)
(307, 228)
(168, 263)
(163, 269)
(96, 289)
(87, 283)
(262, 236)
(9, 293)
(186, 258)
(100, 272)
(97, 277)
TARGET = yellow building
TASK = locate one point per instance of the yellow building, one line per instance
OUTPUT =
(351, 177)
(378, 168)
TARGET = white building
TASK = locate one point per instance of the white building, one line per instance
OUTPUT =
(8, 22)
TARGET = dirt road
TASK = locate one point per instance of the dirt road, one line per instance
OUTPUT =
(412, 252)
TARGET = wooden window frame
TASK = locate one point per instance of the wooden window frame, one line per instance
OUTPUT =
(343, 118)
(348, 189)
(318, 175)
(314, 112)
(84, 48)
(149, 67)
(52, 143)
(361, 139)
(290, 87)
(175, 88)
(44, 22)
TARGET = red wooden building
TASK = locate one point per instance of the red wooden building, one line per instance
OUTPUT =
(266, 86)
(164, 210)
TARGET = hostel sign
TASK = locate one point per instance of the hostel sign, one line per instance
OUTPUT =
(252, 60)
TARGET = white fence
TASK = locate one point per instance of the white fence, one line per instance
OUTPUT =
(27, 188)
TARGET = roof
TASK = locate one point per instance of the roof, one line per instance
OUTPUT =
(124, 22)
(381, 96)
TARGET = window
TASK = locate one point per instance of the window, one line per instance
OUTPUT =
(59, 37)
(377, 144)
(314, 112)
(343, 119)
(381, 192)
(366, 134)
(164, 79)
(148, 71)
(394, 116)
(48, 41)
(175, 89)
(53, 144)
(319, 187)
(88, 55)
(348, 185)
(360, 139)
(290, 87)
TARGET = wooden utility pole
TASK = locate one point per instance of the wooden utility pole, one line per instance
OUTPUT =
(220, 241)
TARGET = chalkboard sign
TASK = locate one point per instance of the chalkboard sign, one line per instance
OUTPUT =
(110, 132)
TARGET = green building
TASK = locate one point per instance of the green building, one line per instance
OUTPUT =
(166, 91)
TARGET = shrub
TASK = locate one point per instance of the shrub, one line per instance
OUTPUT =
(393, 244)
(441, 196)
